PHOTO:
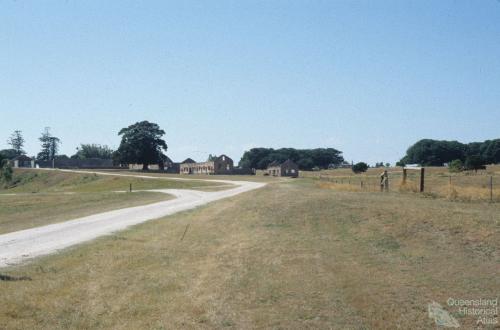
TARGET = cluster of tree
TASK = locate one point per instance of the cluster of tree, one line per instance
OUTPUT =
(306, 159)
(49, 145)
(16, 142)
(429, 152)
(471, 163)
(86, 151)
(141, 143)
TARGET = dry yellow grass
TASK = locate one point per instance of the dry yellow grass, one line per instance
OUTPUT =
(258, 178)
(439, 182)
(289, 256)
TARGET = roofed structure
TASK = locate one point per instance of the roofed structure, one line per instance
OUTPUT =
(219, 165)
(286, 168)
(22, 161)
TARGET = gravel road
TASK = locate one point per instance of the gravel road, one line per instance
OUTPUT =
(20, 246)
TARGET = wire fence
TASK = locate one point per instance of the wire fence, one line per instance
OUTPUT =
(468, 186)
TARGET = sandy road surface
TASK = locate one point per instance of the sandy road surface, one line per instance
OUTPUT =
(22, 245)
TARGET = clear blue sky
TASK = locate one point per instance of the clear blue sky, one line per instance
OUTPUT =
(366, 77)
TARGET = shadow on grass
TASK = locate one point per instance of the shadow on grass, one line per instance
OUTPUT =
(13, 278)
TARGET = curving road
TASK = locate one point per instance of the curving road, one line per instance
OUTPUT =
(26, 244)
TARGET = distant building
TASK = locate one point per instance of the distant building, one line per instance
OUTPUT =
(65, 162)
(219, 165)
(164, 164)
(287, 168)
(22, 161)
(188, 161)
(341, 165)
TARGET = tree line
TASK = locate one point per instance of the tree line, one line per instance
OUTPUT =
(429, 152)
(49, 146)
(306, 159)
(141, 143)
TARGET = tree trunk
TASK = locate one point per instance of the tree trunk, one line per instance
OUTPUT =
(145, 167)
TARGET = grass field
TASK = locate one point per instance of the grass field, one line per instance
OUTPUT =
(36, 198)
(257, 178)
(439, 182)
(290, 255)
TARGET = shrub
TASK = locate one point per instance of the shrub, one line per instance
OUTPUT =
(360, 167)
(5, 171)
(456, 166)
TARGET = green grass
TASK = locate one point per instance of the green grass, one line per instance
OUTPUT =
(288, 256)
(33, 181)
(33, 210)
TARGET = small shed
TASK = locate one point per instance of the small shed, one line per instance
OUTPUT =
(22, 161)
(287, 168)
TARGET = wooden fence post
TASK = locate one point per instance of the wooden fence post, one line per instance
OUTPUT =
(491, 188)
(422, 179)
(384, 181)
(404, 176)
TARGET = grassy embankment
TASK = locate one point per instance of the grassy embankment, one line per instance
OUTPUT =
(36, 198)
(290, 255)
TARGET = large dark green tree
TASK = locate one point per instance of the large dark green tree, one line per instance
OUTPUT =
(142, 143)
(8, 153)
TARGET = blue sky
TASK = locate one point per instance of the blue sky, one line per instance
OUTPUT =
(366, 77)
